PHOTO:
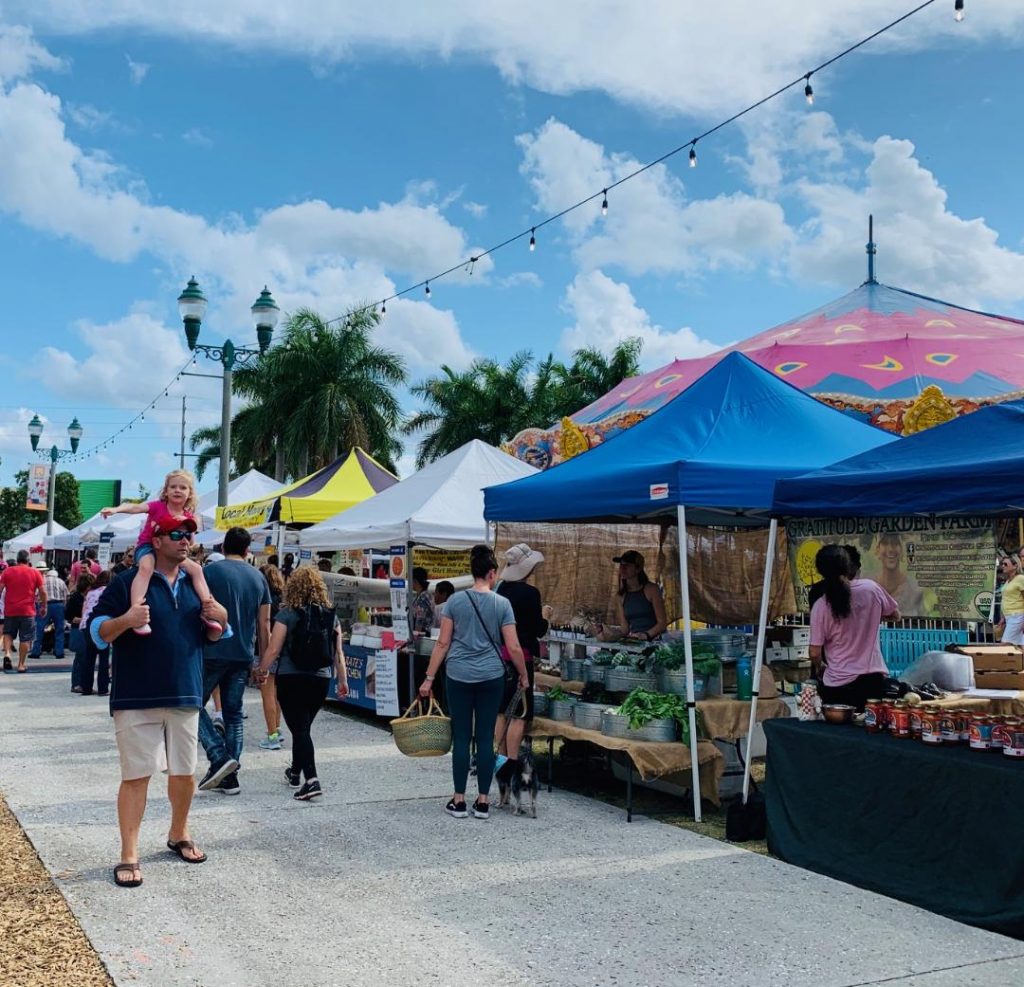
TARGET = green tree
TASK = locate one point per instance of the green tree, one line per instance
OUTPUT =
(321, 391)
(493, 403)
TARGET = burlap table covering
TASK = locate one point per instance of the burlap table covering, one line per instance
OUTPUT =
(728, 719)
(651, 760)
(1010, 706)
(545, 682)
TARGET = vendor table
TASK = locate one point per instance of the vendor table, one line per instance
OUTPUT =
(650, 760)
(933, 826)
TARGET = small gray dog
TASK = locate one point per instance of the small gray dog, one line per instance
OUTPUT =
(518, 781)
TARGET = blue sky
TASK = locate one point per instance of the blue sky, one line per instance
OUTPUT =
(337, 155)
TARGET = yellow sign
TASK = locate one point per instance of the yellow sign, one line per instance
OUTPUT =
(255, 514)
(441, 564)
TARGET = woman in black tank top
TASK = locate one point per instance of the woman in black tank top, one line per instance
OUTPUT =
(640, 606)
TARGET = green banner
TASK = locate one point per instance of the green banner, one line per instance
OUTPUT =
(933, 567)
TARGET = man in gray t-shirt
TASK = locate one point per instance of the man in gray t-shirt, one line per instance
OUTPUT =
(472, 656)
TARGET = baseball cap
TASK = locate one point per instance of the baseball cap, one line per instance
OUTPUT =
(168, 522)
(630, 558)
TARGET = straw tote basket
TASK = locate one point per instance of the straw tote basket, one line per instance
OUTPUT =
(419, 734)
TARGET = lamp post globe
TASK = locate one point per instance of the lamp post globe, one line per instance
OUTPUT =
(192, 306)
(35, 429)
(75, 431)
(265, 313)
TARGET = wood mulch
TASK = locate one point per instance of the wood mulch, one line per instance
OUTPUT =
(41, 942)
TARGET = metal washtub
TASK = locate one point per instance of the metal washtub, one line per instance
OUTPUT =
(561, 709)
(726, 644)
(595, 673)
(572, 669)
(628, 679)
(587, 716)
(614, 725)
(675, 683)
(540, 703)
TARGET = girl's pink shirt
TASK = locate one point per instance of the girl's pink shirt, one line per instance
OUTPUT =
(156, 509)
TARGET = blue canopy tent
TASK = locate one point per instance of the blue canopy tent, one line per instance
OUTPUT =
(969, 466)
(713, 453)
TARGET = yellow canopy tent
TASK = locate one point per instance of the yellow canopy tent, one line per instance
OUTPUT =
(344, 483)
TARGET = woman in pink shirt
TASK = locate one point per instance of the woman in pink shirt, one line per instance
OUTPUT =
(844, 626)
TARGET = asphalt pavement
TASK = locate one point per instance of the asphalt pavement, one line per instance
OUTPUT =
(375, 884)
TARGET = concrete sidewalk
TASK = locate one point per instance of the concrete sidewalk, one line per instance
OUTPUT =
(376, 885)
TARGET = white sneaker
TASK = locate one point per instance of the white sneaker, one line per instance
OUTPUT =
(272, 742)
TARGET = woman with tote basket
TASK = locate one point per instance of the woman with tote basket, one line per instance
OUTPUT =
(473, 622)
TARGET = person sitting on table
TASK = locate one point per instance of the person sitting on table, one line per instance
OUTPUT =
(640, 607)
(1011, 624)
(845, 622)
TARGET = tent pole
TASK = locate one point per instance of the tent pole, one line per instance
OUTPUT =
(762, 628)
(691, 706)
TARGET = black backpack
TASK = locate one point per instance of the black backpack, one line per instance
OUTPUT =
(312, 644)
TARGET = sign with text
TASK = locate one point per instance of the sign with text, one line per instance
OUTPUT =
(38, 487)
(932, 567)
(104, 547)
(386, 685)
(441, 564)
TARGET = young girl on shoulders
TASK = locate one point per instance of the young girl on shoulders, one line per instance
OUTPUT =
(178, 497)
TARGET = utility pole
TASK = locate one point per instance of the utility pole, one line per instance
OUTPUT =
(182, 453)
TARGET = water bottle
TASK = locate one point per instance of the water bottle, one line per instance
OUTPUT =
(744, 679)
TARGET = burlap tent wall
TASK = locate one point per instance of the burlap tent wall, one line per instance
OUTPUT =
(579, 579)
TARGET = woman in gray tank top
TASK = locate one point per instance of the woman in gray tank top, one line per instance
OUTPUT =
(641, 608)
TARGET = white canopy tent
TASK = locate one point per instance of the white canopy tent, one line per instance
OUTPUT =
(126, 528)
(30, 539)
(249, 486)
(441, 506)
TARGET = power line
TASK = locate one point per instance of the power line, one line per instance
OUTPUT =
(469, 263)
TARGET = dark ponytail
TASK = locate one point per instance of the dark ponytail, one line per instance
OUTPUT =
(833, 562)
(482, 561)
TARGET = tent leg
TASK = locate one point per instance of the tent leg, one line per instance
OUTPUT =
(762, 628)
(691, 706)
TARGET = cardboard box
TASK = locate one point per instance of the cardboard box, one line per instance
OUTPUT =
(801, 637)
(776, 654)
(999, 680)
(801, 653)
(994, 657)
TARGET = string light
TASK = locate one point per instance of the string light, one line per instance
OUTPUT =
(533, 239)
(383, 308)
(691, 144)
(958, 11)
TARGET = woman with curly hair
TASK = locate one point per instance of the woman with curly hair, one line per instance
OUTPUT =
(302, 692)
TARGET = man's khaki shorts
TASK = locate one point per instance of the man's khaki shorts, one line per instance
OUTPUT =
(152, 740)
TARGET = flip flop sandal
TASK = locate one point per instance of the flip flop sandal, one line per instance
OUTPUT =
(22, 671)
(183, 845)
(129, 882)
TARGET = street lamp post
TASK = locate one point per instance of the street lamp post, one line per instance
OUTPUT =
(35, 430)
(192, 306)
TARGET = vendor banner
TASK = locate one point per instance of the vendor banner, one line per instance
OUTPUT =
(361, 668)
(441, 564)
(932, 567)
(255, 514)
(38, 487)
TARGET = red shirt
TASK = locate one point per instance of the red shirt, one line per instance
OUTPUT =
(77, 568)
(21, 583)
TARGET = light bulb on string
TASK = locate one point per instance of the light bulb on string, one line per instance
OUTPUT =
(604, 204)
(958, 11)
(427, 290)
(533, 240)
(693, 155)
(383, 308)
(808, 91)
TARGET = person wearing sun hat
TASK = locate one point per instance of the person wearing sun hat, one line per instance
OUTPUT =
(518, 565)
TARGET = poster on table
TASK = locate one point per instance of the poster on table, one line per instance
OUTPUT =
(399, 593)
(439, 563)
(386, 683)
(38, 487)
(104, 548)
(361, 667)
(933, 567)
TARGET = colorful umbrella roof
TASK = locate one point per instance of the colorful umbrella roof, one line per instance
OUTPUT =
(872, 352)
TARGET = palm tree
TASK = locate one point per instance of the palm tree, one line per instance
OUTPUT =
(323, 390)
(591, 374)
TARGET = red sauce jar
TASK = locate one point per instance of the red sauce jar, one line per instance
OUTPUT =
(873, 716)
(915, 722)
(980, 732)
(1000, 738)
(948, 729)
(963, 724)
(901, 721)
(930, 725)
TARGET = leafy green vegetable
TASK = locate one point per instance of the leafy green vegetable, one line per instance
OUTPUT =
(622, 659)
(557, 693)
(642, 706)
(603, 657)
(672, 657)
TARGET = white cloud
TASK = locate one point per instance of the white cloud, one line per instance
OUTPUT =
(136, 70)
(922, 243)
(606, 313)
(651, 225)
(197, 137)
(89, 117)
(688, 57)
(476, 209)
(21, 54)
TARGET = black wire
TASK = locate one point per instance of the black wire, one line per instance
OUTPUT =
(650, 164)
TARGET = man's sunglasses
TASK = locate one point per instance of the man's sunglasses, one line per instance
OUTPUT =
(178, 534)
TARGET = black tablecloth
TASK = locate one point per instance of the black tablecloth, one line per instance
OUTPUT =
(939, 827)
